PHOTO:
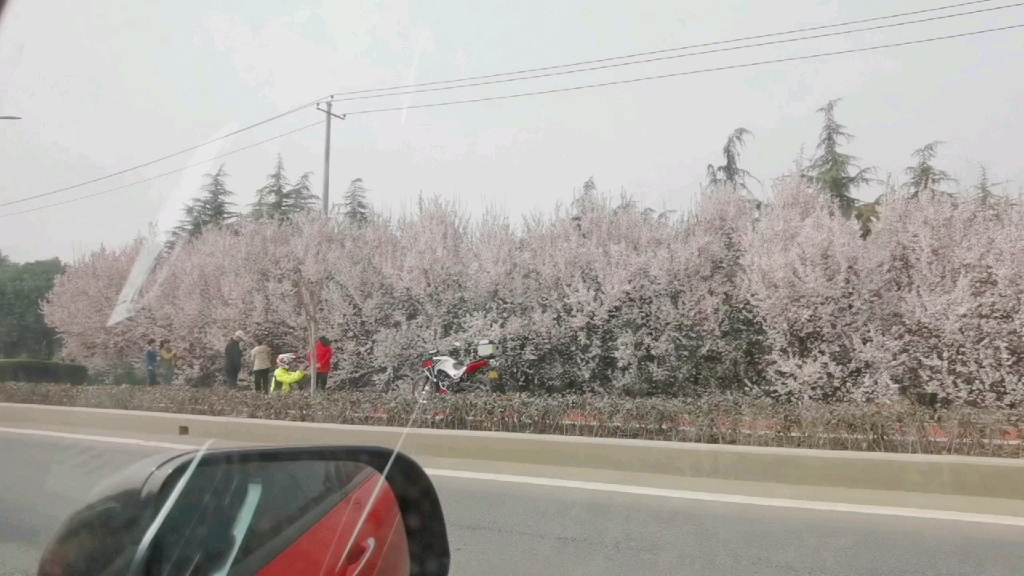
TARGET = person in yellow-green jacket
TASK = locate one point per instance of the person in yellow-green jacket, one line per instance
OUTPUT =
(288, 372)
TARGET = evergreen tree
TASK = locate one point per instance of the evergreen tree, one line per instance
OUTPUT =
(213, 208)
(983, 188)
(355, 206)
(626, 202)
(300, 197)
(730, 173)
(925, 177)
(23, 330)
(586, 201)
(589, 188)
(868, 213)
(831, 169)
(270, 198)
(280, 199)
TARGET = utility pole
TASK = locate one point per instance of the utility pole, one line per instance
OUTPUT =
(327, 156)
(327, 160)
(326, 214)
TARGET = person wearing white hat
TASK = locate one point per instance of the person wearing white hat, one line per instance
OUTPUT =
(233, 358)
(289, 371)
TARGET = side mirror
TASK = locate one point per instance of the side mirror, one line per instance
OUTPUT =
(303, 510)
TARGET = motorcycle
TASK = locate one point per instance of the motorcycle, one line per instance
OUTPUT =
(443, 374)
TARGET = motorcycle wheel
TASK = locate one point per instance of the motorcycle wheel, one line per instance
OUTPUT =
(479, 383)
(422, 387)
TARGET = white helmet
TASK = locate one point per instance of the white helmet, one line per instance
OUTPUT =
(285, 359)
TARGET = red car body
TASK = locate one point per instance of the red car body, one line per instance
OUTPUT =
(378, 549)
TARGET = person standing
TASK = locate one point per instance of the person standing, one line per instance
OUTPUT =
(324, 355)
(168, 358)
(261, 366)
(233, 358)
(152, 357)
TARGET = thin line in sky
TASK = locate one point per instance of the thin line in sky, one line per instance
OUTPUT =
(420, 90)
(692, 72)
(161, 159)
(175, 171)
(676, 49)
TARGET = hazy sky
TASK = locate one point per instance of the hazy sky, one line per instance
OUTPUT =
(104, 85)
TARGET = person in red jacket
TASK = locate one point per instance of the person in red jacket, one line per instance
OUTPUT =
(324, 356)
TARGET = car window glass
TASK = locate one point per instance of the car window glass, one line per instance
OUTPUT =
(228, 513)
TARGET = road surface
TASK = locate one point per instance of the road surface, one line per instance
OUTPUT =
(502, 529)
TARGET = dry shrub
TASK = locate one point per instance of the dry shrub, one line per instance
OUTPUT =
(715, 420)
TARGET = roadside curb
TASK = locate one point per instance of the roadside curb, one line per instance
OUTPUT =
(952, 475)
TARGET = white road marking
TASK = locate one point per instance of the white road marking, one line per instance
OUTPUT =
(111, 439)
(735, 498)
(619, 488)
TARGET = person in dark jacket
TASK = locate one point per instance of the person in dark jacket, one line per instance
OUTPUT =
(152, 357)
(233, 358)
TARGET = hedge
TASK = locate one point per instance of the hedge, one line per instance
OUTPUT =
(717, 419)
(42, 372)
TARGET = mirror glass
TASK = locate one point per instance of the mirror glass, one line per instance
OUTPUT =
(288, 517)
(261, 510)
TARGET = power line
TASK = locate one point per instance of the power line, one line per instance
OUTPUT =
(665, 50)
(161, 159)
(183, 168)
(524, 71)
(675, 56)
(688, 72)
(557, 90)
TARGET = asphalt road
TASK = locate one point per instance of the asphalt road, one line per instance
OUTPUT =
(43, 480)
(504, 529)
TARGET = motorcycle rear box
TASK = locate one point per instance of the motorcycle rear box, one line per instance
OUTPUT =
(486, 349)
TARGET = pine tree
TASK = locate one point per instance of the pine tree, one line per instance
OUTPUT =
(589, 188)
(355, 206)
(270, 198)
(586, 201)
(626, 201)
(213, 208)
(924, 177)
(868, 213)
(831, 169)
(985, 185)
(300, 197)
(280, 199)
(730, 173)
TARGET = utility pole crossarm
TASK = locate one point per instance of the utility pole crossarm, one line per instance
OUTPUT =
(328, 111)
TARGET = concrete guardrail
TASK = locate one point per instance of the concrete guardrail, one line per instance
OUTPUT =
(953, 475)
